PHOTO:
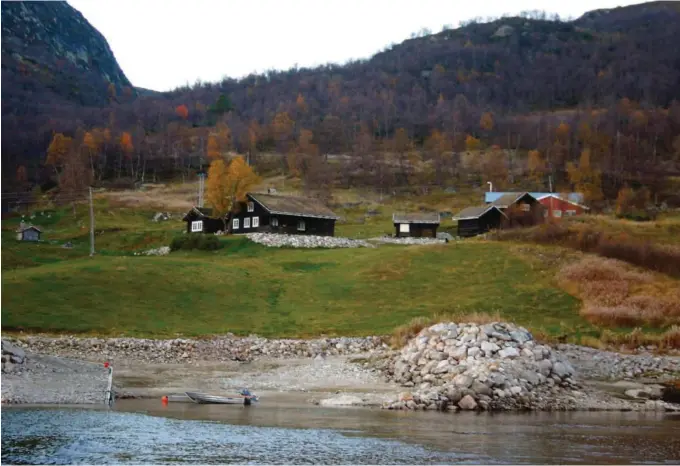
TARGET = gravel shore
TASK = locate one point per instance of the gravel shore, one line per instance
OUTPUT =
(338, 371)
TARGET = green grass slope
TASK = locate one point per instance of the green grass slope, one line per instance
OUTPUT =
(246, 288)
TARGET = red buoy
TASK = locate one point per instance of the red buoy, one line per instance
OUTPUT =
(106, 364)
(164, 399)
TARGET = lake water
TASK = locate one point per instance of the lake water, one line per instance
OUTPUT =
(284, 432)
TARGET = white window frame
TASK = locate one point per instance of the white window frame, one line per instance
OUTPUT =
(196, 226)
(571, 212)
(246, 222)
(251, 207)
(557, 213)
(274, 221)
(404, 228)
(525, 207)
(301, 225)
(256, 222)
(235, 224)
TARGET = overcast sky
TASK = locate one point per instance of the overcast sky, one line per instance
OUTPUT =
(162, 44)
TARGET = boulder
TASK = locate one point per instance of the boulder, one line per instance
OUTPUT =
(15, 354)
(508, 352)
(480, 388)
(545, 366)
(562, 369)
(489, 348)
(462, 381)
(467, 403)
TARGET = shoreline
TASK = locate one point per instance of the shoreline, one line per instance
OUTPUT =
(342, 372)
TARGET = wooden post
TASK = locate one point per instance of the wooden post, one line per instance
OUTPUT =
(91, 225)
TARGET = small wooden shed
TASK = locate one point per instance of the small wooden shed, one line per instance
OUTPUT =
(474, 221)
(417, 225)
(30, 233)
(201, 220)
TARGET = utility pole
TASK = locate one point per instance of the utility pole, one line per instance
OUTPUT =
(91, 225)
(201, 186)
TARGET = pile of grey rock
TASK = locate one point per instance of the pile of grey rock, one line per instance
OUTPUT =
(496, 366)
(407, 241)
(161, 216)
(306, 241)
(35, 378)
(222, 348)
(162, 251)
(596, 364)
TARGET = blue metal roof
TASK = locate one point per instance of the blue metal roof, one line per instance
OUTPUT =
(492, 196)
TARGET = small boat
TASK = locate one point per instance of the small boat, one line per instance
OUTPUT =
(243, 398)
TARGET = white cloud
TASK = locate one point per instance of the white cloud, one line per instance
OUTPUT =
(164, 44)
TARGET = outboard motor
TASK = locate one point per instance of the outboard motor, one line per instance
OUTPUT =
(249, 397)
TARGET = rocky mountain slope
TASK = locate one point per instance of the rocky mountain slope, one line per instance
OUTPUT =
(54, 64)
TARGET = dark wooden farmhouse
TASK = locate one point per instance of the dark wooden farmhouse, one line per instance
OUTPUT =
(201, 220)
(29, 233)
(520, 209)
(282, 214)
(416, 225)
(474, 221)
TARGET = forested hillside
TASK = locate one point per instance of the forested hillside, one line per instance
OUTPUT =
(588, 104)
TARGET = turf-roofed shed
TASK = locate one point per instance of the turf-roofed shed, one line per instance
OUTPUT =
(474, 221)
(423, 224)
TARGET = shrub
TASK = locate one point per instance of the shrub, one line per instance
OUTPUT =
(197, 241)
(633, 205)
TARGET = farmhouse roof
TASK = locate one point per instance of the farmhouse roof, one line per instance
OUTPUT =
(291, 205)
(508, 199)
(553, 195)
(422, 217)
(476, 212)
(30, 227)
(200, 211)
(493, 195)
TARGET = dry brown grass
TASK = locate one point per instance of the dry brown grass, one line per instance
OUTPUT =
(402, 334)
(650, 247)
(616, 295)
(174, 198)
(668, 340)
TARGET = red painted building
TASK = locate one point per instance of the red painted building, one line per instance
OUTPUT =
(558, 207)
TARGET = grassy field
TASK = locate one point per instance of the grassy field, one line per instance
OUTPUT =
(245, 288)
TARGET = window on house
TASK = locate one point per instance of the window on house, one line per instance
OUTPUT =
(256, 222)
(246, 222)
(251, 206)
(557, 213)
(275, 222)
(403, 228)
(545, 213)
(197, 226)
(571, 212)
(526, 207)
(301, 225)
(234, 224)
